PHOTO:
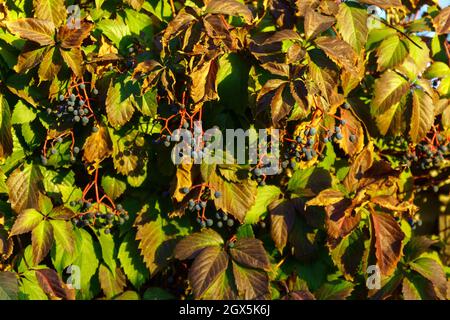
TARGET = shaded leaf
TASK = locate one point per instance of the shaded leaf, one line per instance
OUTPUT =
(6, 142)
(9, 287)
(252, 284)
(190, 246)
(250, 252)
(111, 284)
(207, 267)
(52, 285)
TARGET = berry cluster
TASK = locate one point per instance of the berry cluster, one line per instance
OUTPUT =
(428, 153)
(222, 218)
(73, 108)
(305, 147)
(98, 217)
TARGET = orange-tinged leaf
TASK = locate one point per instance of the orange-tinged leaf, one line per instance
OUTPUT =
(352, 24)
(351, 130)
(53, 286)
(97, 146)
(29, 57)
(72, 38)
(40, 31)
(422, 117)
(23, 187)
(316, 23)
(442, 21)
(385, 4)
(388, 241)
(204, 82)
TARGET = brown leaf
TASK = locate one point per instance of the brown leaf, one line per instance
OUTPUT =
(316, 23)
(354, 128)
(207, 267)
(250, 252)
(73, 38)
(388, 241)
(299, 295)
(340, 52)
(40, 31)
(203, 85)
(341, 218)
(385, 4)
(282, 215)
(442, 21)
(52, 10)
(229, 7)
(53, 286)
(359, 166)
(285, 34)
(97, 146)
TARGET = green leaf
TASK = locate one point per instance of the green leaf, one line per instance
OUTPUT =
(265, 195)
(23, 185)
(42, 240)
(391, 52)
(116, 30)
(64, 236)
(155, 293)
(6, 142)
(9, 287)
(192, 245)
(26, 221)
(29, 288)
(335, 290)
(22, 113)
(309, 180)
(112, 284)
(207, 267)
(108, 246)
(113, 187)
(352, 24)
(148, 103)
(87, 259)
(159, 8)
(422, 117)
(131, 261)
(250, 252)
(417, 60)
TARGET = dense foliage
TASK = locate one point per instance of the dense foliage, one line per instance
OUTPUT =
(91, 205)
